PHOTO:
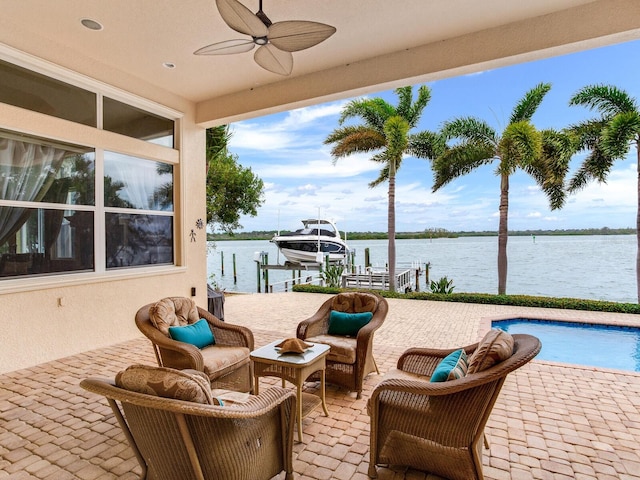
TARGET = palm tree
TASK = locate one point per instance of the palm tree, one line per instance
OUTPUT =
(544, 155)
(385, 131)
(609, 138)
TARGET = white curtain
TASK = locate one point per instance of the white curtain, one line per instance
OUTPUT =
(26, 173)
(139, 179)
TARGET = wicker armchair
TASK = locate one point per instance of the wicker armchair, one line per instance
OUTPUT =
(177, 439)
(438, 427)
(227, 363)
(350, 359)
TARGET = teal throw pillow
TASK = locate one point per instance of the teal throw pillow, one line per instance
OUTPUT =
(342, 323)
(452, 366)
(198, 334)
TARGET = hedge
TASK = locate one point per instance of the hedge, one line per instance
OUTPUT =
(486, 298)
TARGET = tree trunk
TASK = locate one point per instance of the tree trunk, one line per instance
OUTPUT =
(503, 234)
(391, 228)
(638, 225)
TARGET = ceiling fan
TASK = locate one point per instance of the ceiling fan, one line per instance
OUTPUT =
(275, 41)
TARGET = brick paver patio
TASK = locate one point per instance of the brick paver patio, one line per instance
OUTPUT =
(551, 421)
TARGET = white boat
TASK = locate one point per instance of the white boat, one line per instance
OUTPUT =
(312, 243)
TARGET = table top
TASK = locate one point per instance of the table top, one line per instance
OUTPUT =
(271, 354)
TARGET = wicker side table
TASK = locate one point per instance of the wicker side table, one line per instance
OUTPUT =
(295, 368)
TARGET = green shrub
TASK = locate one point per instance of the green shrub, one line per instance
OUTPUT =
(444, 285)
(332, 275)
(489, 299)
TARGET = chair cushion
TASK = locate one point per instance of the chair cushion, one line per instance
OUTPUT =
(451, 367)
(165, 382)
(198, 334)
(173, 311)
(343, 323)
(342, 349)
(496, 346)
(230, 397)
(222, 359)
(354, 302)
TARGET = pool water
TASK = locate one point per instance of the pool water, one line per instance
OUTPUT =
(606, 346)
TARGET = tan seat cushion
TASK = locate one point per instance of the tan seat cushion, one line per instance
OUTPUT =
(496, 346)
(166, 382)
(173, 312)
(222, 359)
(397, 374)
(343, 349)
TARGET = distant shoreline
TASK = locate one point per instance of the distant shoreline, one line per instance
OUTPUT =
(433, 233)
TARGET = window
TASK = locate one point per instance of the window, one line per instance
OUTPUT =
(134, 122)
(67, 208)
(54, 237)
(133, 187)
(30, 90)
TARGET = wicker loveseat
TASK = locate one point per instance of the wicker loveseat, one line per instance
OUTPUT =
(177, 432)
(438, 427)
(350, 359)
(226, 362)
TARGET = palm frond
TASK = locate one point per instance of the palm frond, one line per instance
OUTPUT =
(580, 179)
(586, 134)
(374, 112)
(405, 99)
(528, 105)
(551, 168)
(606, 99)
(520, 145)
(469, 129)
(354, 139)
(426, 144)
(424, 97)
(595, 167)
(396, 129)
(618, 134)
(383, 176)
(458, 161)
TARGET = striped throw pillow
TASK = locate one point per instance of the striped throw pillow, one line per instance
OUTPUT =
(496, 346)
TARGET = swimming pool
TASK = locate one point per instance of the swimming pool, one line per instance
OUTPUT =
(607, 346)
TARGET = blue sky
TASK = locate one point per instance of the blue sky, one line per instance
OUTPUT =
(287, 152)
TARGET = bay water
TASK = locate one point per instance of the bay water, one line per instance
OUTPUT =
(596, 267)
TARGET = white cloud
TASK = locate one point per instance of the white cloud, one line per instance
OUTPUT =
(282, 131)
(302, 117)
(356, 164)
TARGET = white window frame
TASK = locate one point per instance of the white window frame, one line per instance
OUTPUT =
(55, 129)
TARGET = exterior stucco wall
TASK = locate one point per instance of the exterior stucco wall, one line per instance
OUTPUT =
(47, 319)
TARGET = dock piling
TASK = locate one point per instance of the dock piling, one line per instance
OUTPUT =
(235, 273)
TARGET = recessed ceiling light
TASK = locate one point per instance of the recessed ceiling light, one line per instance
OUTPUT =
(91, 24)
(169, 65)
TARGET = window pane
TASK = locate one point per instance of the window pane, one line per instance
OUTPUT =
(134, 122)
(26, 89)
(131, 182)
(34, 170)
(37, 241)
(134, 240)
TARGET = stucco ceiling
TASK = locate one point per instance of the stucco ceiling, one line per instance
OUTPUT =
(378, 43)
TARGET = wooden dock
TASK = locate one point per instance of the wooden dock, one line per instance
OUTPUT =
(377, 281)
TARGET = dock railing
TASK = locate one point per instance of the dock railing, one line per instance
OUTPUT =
(373, 280)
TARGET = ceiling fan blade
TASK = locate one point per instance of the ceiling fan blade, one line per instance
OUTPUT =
(294, 35)
(227, 47)
(240, 18)
(273, 59)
